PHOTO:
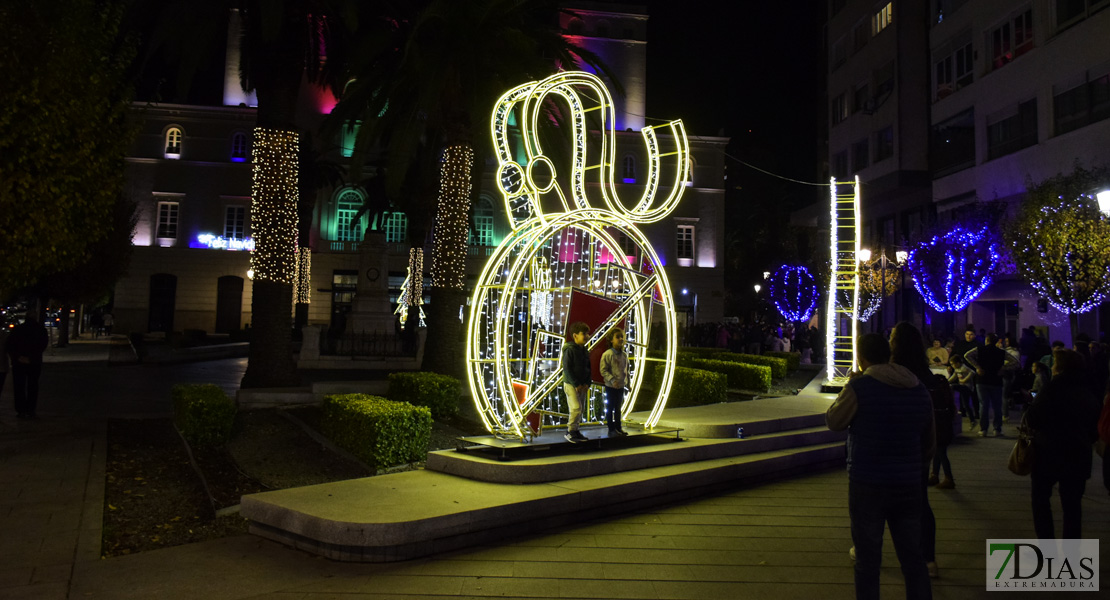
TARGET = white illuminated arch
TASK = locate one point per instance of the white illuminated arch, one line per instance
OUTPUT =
(520, 304)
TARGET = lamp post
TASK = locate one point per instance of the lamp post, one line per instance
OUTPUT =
(901, 256)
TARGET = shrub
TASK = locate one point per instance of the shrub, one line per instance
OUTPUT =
(380, 432)
(694, 387)
(203, 413)
(793, 359)
(438, 392)
(778, 365)
(740, 375)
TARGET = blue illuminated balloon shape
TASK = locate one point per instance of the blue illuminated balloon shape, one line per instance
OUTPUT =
(952, 269)
(794, 292)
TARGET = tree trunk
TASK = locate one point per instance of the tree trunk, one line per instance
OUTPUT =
(270, 361)
(1073, 322)
(63, 327)
(445, 350)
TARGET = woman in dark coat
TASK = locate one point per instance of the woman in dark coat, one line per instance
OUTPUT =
(1064, 419)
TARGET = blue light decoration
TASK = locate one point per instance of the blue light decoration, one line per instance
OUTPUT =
(952, 269)
(794, 292)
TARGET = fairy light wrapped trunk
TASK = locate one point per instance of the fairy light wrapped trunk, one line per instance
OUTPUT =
(584, 260)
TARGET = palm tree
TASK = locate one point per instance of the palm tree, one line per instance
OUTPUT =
(283, 43)
(424, 95)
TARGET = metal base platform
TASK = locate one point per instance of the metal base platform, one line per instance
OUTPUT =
(548, 439)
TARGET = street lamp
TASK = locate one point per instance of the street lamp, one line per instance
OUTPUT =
(901, 256)
(757, 288)
(1104, 202)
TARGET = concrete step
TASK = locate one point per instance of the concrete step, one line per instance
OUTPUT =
(557, 464)
(418, 513)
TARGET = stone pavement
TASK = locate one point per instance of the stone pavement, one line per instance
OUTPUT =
(784, 539)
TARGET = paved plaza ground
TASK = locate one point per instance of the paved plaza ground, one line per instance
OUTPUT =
(778, 540)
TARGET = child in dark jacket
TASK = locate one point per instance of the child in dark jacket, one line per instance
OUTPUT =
(614, 371)
(576, 378)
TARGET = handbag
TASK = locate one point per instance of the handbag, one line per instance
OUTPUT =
(1021, 457)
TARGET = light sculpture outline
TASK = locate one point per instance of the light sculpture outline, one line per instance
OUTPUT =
(520, 304)
(841, 328)
(796, 281)
(969, 257)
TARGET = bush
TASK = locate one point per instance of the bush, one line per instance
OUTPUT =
(793, 359)
(438, 392)
(203, 413)
(778, 365)
(381, 433)
(740, 375)
(697, 387)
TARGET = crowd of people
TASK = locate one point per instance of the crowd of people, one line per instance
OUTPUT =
(900, 412)
(757, 337)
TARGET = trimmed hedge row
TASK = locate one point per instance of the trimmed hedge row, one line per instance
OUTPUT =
(740, 375)
(380, 432)
(203, 413)
(793, 359)
(778, 365)
(439, 393)
(694, 387)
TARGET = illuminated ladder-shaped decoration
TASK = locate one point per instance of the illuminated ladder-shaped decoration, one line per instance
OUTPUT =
(841, 328)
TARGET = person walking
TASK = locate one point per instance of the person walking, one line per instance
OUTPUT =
(1064, 419)
(989, 361)
(576, 378)
(889, 418)
(907, 348)
(962, 380)
(614, 372)
(24, 347)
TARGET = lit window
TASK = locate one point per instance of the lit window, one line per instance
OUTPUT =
(482, 235)
(173, 142)
(396, 228)
(167, 220)
(235, 222)
(684, 245)
(881, 19)
(689, 171)
(239, 147)
(629, 164)
(348, 223)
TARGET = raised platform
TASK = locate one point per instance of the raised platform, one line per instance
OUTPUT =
(467, 498)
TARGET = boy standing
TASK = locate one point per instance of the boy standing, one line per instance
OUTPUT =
(576, 378)
(614, 370)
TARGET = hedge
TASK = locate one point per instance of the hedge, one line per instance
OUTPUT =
(694, 387)
(438, 392)
(203, 413)
(380, 432)
(793, 359)
(740, 375)
(778, 365)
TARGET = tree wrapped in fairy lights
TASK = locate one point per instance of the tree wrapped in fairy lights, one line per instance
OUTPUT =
(875, 284)
(1060, 242)
(794, 292)
(952, 269)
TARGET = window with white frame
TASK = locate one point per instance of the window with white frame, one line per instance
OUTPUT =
(174, 136)
(396, 228)
(684, 244)
(839, 109)
(954, 67)
(1011, 39)
(881, 19)
(690, 164)
(167, 220)
(239, 147)
(348, 225)
(235, 222)
(482, 235)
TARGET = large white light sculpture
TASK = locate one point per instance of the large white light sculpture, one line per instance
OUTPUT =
(576, 248)
(841, 329)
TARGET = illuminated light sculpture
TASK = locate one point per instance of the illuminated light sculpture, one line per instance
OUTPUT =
(521, 305)
(216, 242)
(274, 205)
(412, 289)
(302, 289)
(875, 284)
(952, 269)
(794, 292)
(841, 328)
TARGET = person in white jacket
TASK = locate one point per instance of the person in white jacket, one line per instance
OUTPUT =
(614, 372)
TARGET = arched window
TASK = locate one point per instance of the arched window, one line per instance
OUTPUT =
(482, 235)
(396, 228)
(173, 142)
(347, 227)
(629, 164)
(238, 147)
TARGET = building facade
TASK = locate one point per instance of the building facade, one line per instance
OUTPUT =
(190, 174)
